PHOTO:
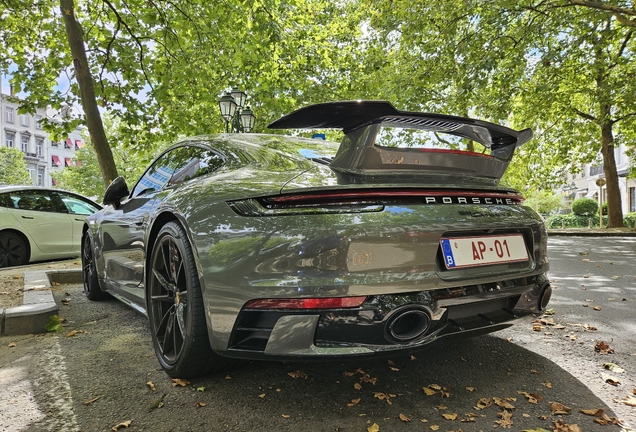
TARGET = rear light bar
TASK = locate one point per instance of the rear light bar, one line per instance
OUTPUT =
(307, 303)
(361, 201)
(375, 195)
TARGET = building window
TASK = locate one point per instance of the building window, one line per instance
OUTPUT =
(9, 139)
(32, 174)
(583, 169)
(67, 143)
(55, 161)
(24, 120)
(8, 114)
(54, 144)
(38, 119)
(632, 199)
(39, 143)
(24, 143)
(40, 177)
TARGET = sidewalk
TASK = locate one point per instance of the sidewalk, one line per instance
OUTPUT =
(593, 232)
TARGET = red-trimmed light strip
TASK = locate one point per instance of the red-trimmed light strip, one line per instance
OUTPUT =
(306, 303)
(361, 194)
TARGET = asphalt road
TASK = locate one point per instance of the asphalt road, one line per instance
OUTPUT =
(98, 378)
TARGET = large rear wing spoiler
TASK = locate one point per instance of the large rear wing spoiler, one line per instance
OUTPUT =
(361, 121)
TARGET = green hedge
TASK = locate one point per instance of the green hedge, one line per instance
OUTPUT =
(630, 220)
(573, 221)
(584, 207)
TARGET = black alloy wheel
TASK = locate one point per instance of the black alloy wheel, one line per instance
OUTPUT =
(92, 290)
(13, 250)
(175, 308)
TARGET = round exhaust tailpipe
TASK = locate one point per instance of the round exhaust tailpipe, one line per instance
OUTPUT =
(407, 323)
(544, 298)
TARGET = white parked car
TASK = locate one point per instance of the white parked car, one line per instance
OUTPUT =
(39, 223)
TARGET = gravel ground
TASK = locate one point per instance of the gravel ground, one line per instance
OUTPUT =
(12, 280)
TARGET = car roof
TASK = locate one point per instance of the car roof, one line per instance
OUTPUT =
(13, 188)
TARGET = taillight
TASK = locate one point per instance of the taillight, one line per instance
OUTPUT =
(307, 303)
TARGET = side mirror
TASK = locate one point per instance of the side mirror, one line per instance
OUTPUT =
(115, 192)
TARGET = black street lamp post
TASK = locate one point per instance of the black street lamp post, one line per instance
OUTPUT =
(235, 113)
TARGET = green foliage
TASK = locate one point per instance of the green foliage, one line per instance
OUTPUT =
(630, 220)
(584, 207)
(54, 324)
(13, 168)
(85, 177)
(604, 209)
(543, 201)
(574, 221)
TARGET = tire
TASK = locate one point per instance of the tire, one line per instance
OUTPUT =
(92, 290)
(14, 250)
(175, 308)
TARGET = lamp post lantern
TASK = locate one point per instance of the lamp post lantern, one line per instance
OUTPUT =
(235, 113)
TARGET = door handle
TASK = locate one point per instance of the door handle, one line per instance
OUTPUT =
(27, 217)
(79, 220)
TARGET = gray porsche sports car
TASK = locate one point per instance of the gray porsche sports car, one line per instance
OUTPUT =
(277, 247)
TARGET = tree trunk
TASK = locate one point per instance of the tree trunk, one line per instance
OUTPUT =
(87, 92)
(614, 207)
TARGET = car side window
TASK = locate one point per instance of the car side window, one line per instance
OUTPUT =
(36, 200)
(6, 201)
(155, 177)
(192, 162)
(77, 206)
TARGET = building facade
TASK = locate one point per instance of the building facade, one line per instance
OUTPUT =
(583, 184)
(42, 155)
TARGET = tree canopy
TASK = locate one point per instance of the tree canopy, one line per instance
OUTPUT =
(565, 68)
(13, 168)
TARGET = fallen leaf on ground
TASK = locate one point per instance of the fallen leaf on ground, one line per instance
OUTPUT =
(297, 374)
(122, 425)
(429, 391)
(603, 348)
(470, 389)
(627, 400)
(589, 327)
(394, 369)
(424, 420)
(610, 379)
(345, 373)
(506, 419)
(548, 384)
(354, 402)
(200, 404)
(559, 409)
(536, 327)
(12, 345)
(384, 396)
(483, 403)
(435, 386)
(533, 398)
(451, 417)
(560, 426)
(262, 395)
(227, 377)
(285, 416)
(179, 382)
(442, 407)
(613, 367)
(404, 418)
(74, 332)
(373, 428)
(357, 386)
(151, 385)
(503, 403)
(88, 402)
(434, 427)
(597, 308)
(367, 378)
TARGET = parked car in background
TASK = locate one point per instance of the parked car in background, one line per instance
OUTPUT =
(39, 224)
(278, 247)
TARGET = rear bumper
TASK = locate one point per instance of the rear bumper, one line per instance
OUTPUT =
(387, 323)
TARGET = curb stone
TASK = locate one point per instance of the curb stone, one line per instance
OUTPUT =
(38, 303)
